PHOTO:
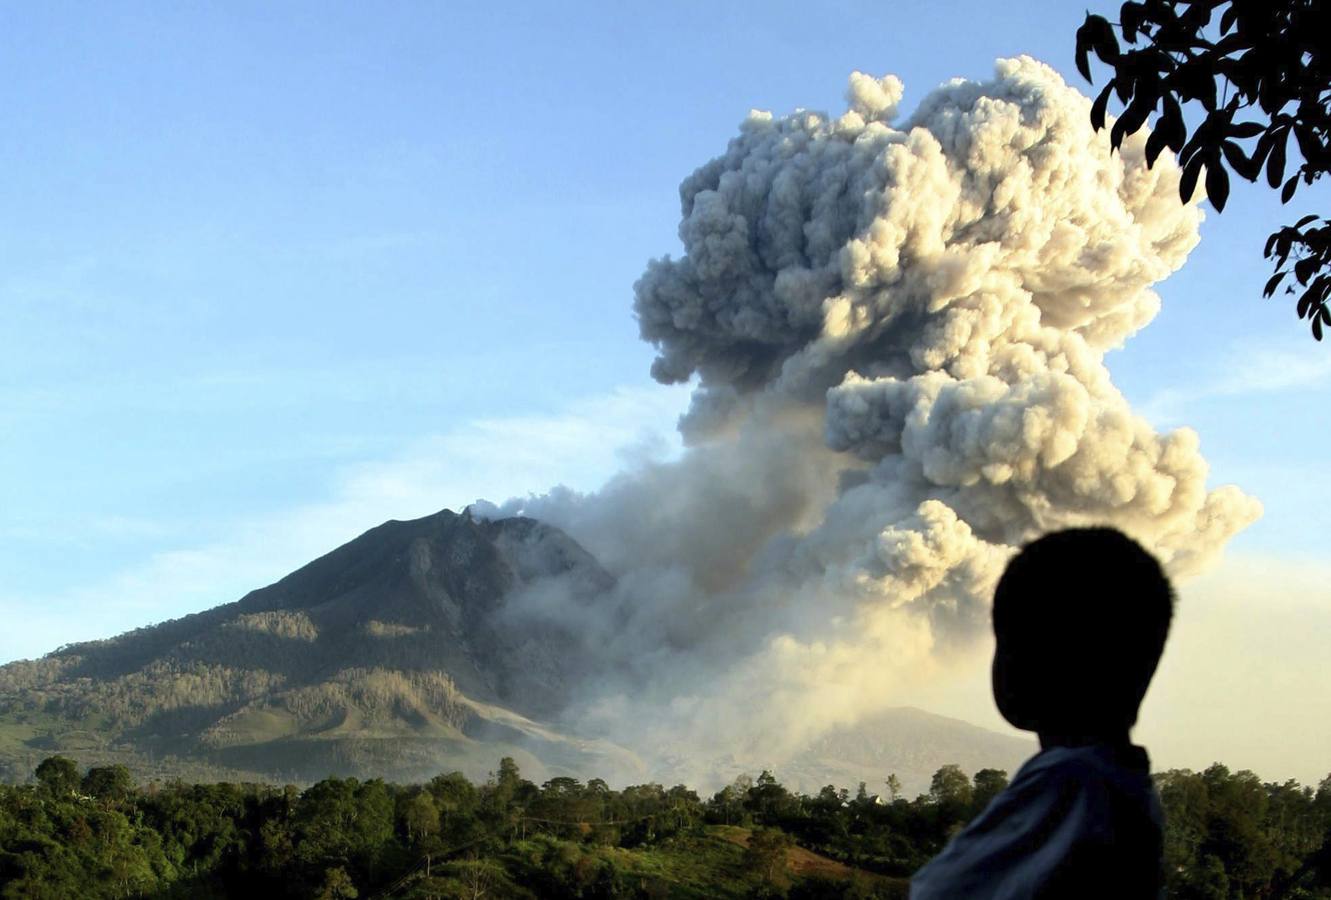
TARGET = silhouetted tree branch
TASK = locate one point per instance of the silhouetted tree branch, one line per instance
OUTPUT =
(1258, 71)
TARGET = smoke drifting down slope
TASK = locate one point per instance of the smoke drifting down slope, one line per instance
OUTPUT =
(897, 333)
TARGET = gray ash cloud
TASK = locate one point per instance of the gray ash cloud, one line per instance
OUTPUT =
(897, 331)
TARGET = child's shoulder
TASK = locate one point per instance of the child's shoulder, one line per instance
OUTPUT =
(1090, 775)
(1088, 761)
(1079, 813)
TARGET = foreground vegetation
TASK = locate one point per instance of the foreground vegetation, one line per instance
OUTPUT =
(97, 834)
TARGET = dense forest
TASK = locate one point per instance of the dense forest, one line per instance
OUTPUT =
(98, 834)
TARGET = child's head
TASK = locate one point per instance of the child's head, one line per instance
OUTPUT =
(1080, 618)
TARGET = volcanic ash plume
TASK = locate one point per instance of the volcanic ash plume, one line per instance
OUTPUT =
(897, 332)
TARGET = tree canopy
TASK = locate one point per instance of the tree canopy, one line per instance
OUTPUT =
(1227, 835)
(1257, 74)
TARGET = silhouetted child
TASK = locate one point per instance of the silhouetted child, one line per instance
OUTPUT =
(1080, 619)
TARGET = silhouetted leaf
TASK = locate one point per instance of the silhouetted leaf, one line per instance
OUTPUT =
(1242, 74)
(1194, 144)
(1187, 185)
(1117, 133)
(1284, 238)
(1100, 105)
(1275, 163)
(1230, 44)
(1237, 161)
(1197, 16)
(1273, 282)
(1269, 96)
(1201, 86)
(1246, 130)
(1217, 185)
(1106, 43)
(1306, 220)
(1134, 117)
(1129, 19)
(1308, 144)
(1155, 145)
(1125, 81)
(1227, 19)
(1264, 145)
(1310, 304)
(1288, 191)
(1171, 123)
(1083, 48)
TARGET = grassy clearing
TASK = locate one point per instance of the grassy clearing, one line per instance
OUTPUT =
(802, 863)
(687, 867)
(706, 866)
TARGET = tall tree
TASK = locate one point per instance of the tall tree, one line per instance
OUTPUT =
(113, 784)
(1258, 73)
(950, 785)
(893, 787)
(988, 784)
(337, 885)
(58, 774)
(767, 854)
(420, 817)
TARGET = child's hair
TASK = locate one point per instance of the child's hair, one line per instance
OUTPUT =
(1080, 618)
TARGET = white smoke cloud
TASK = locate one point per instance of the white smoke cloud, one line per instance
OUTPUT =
(897, 333)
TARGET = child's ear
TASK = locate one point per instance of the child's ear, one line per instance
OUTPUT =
(1012, 693)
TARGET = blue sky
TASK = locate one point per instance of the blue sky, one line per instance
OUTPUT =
(272, 273)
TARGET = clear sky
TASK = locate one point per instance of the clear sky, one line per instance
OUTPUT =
(273, 273)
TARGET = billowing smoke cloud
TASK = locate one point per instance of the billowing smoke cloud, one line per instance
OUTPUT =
(897, 333)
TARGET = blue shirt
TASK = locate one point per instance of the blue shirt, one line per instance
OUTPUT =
(1076, 822)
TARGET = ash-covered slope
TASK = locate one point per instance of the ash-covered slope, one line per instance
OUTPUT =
(397, 653)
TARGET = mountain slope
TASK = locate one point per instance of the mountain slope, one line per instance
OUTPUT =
(397, 652)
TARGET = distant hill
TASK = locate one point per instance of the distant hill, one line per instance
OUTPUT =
(909, 743)
(396, 655)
